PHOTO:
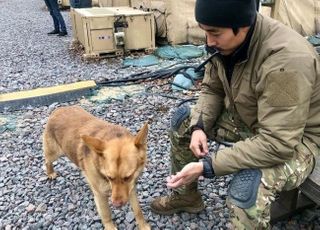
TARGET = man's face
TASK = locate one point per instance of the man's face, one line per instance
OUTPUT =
(224, 39)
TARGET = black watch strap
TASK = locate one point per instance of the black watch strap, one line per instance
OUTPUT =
(208, 171)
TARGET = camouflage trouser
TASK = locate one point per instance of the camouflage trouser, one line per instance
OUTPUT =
(274, 180)
(282, 177)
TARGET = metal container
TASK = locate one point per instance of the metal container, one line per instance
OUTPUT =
(113, 30)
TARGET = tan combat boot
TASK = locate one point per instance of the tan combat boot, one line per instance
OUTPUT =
(174, 203)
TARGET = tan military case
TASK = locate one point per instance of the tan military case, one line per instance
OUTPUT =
(66, 3)
(109, 31)
(138, 4)
(63, 3)
(113, 3)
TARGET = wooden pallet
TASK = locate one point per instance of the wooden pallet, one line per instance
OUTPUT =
(77, 48)
(99, 55)
(145, 51)
(117, 53)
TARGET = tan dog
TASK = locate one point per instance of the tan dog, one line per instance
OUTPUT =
(110, 157)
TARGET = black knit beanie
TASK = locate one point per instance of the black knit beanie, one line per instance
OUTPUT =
(226, 13)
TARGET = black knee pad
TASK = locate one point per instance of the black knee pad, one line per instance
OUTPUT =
(181, 113)
(244, 187)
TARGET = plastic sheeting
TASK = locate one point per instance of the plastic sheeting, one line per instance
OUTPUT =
(7, 123)
(182, 52)
(183, 81)
(148, 60)
(314, 40)
(179, 52)
(106, 94)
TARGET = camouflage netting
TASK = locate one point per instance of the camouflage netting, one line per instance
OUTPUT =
(175, 23)
(302, 16)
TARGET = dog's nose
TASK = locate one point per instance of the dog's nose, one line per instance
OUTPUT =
(118, 203)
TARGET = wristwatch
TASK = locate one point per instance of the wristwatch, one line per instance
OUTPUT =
(208, 171)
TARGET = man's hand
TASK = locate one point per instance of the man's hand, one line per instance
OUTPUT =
(198, 144)
(188, 174)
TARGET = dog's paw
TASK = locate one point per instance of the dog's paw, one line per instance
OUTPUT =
(52, 176)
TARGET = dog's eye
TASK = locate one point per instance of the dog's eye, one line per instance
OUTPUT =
(110, 178)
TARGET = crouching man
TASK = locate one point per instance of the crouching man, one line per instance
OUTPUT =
(262, 92)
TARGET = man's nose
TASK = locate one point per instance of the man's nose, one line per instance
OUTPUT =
(211, 41)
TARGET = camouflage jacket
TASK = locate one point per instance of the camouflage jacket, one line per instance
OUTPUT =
(275, 92)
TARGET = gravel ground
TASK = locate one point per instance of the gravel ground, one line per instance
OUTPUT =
(30, 59)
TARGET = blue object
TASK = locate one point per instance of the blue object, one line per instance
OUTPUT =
(314, 40)
(195, 76)
(185, 79)
(7, 123)
(179, 52)
(81, 3)
(244, 186)
(179, 116)
(181, 80)
(141, 62)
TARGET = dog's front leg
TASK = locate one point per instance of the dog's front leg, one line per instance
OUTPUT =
(143, 225)
(101, 200)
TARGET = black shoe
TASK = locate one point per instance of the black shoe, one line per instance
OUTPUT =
(54, 32)
(60, 34)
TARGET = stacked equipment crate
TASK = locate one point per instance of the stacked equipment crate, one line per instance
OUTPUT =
(112, 31)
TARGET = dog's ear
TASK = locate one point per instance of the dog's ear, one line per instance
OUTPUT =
(93, 143)
(141, 137)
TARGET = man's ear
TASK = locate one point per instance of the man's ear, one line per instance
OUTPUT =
(94, 144)
(141, 137)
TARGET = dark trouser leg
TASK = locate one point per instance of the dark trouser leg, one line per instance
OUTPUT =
(54, 18)
(57, 15)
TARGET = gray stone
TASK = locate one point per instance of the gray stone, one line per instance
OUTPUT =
(30, 208)
(130, 217)
(41, 208)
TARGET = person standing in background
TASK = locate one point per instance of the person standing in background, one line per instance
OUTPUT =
(58, 21)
